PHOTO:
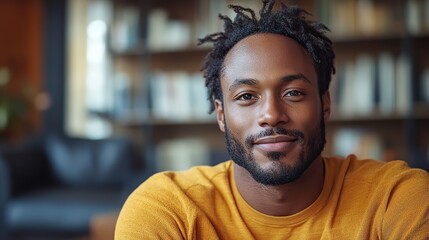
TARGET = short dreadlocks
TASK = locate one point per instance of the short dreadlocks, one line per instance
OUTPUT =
(288, 21)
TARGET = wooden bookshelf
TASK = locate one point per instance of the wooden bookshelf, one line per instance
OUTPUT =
(394, 33)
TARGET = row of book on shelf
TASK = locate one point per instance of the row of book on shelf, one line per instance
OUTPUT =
(169, 96)
(369, 144)
(364, 144)
(371, 17)
(165, 32)
(384, 83)
(183, 153)
(343, 17)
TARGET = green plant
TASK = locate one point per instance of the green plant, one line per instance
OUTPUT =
(15, 105)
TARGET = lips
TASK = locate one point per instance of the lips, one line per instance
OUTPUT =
(279, 143)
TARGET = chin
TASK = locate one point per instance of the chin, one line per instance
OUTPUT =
(287, 158)
(276, 168)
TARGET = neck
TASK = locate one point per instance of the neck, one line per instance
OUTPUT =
(282, 200)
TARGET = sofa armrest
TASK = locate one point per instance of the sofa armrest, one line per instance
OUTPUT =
(4, 188)
(4, 195)
(4, 182)
(24, 167)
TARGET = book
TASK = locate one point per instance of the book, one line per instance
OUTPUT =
(413, 16)
(324, 11)
(180, 96)
(424, 86)
(157, 28)
(426, 16)
(159, 92)
(122, 96)
(364, 85)
(125, 29)
(403, 83)
(386, 81)
(365, 17)
(344, 18)
(363, 144)
(140, 104)
(346, 92)
(199, 97)
(181, 154)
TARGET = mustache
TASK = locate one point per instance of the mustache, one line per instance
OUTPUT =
(274, 131)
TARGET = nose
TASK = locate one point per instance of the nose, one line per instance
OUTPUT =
(273, 112)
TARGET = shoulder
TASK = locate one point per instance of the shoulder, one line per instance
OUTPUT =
(164, 187)
(394, 182)
(381, 192)
(168, 200)
(205, 176)
(373, 177)
(371, 171)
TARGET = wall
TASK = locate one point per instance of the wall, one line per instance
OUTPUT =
(21, 52)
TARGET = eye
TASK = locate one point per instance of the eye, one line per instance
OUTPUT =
(246, 97)
(294, 93)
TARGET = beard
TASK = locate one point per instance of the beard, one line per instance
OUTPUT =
(278, 173)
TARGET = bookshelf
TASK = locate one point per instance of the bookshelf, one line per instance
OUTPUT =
(387, 61)
(379, 113)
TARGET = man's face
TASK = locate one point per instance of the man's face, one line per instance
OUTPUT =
(272, 114)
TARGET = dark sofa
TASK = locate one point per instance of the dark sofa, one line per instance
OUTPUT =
(52, 186)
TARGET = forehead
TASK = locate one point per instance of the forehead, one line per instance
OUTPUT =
(267, 55)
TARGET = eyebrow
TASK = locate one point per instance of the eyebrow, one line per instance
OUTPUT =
(250, 82)
(293, 77)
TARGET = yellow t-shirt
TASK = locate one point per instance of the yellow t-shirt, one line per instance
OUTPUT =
(361, 199)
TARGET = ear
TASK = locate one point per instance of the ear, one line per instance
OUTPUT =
(326, 104)
(220, 115)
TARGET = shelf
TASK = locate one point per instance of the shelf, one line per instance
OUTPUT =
(419, 112)
(163, 122)
(141, 52)
(337, 40)
(375, 117)
(142, 66)
(379, 38)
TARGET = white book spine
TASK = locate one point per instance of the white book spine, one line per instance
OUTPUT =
(403, 85)
(181, 103)
(347, 97)
(364, 85)
(386, 76)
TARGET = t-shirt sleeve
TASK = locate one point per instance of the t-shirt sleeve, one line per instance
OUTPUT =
(407, 213)
(152, 211)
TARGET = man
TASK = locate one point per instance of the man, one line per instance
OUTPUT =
(268, 81)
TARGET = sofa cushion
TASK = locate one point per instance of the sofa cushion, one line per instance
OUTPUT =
(25, 159)
(64, 210)
(84, 162)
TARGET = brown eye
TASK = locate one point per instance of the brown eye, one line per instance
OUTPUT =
(246, 96)
(294, 93)
(294, 96)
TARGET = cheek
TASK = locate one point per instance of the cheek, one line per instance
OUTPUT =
(306, 118)
(237, 123)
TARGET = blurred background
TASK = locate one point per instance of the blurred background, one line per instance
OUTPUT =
(97, 95)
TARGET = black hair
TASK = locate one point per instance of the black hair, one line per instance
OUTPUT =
(288, 21)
